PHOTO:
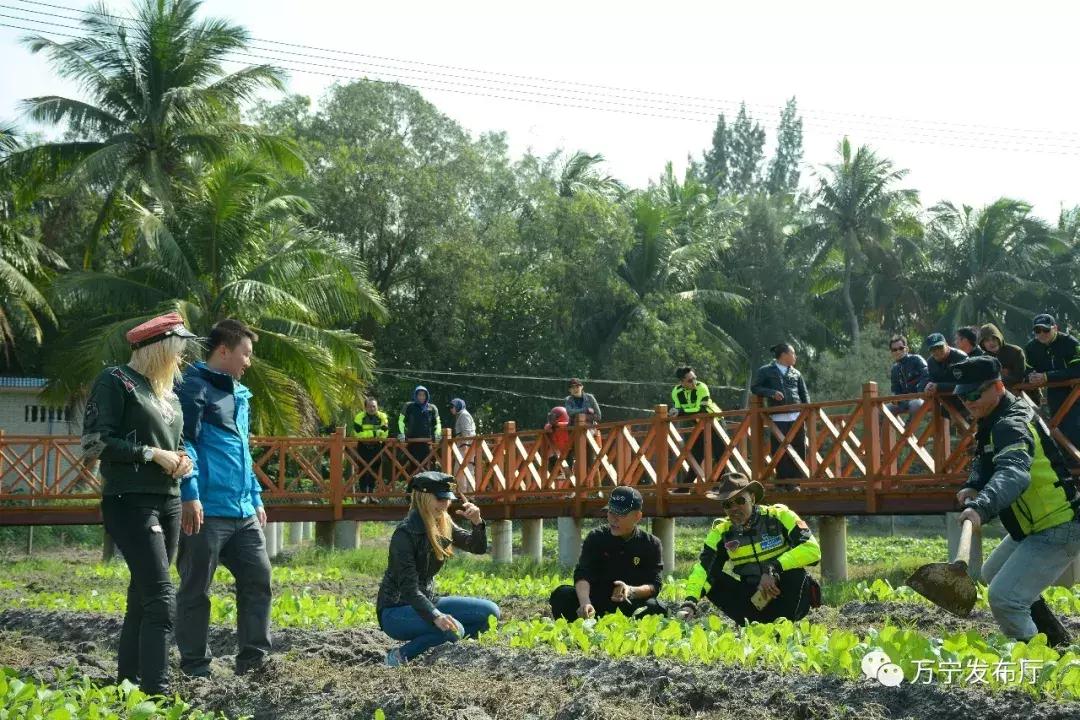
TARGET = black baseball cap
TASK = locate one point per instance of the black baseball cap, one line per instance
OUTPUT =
(624, 500)
(434, 482)
(934, 340)
(1045, 320)
(973, 373)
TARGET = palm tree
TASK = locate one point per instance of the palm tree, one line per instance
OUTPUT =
(580, 173)
(854, 201)
(157, 95)
(993, 261)
(24, 263)
(237, 247)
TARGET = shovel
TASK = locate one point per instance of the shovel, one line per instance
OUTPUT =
(948, 585)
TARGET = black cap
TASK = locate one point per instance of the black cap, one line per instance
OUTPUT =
(624, 500)
(934, 340)
(574, 381)
(1045, 320)
(975, 372)
(437, 483)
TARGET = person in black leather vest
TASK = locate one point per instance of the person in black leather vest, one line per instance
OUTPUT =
(781, 384)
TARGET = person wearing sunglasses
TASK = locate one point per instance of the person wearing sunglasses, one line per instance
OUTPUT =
(1053, 356)
(1019, 476)
(908, 372)
(691, 397)
(769, 547)
(620, 567)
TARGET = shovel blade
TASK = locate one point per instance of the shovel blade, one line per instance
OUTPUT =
(947, 585)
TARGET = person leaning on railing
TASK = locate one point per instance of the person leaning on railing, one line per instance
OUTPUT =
(691, 397)
(1054, 356)
(781, 383)
(133, 424)
(769, 547)
(407, 607)
(908, 372)
(371, 424)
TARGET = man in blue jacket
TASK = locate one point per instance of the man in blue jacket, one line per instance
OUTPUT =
(909, 373)
(222, 513)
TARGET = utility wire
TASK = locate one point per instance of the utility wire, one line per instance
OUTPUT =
(596, 381)
(938, 129)
(319, 53)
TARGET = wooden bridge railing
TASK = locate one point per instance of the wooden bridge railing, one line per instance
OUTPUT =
(860, 458)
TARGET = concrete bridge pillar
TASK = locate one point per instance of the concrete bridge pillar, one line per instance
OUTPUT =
(346, 535)
(502, 541)
(324, 534)
(569, 541)
(952, 533)
(295, 533)
(272, 534)
(833, 538)
(532, 539)
(664, 529)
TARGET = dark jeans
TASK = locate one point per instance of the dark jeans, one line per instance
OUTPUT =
(698, 452)
(786, 469)
(564, 604)
(419, 452)
(798, 593)
(368, 451)
(239, 544)
(402, 622)
(145, 528)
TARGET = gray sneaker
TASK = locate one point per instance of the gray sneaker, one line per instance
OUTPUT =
(394, 658)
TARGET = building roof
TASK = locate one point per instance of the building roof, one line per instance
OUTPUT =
(22, 382)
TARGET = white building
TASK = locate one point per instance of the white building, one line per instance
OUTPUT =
(23, 411)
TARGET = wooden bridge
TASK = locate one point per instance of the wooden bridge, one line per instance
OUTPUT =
(860, 459)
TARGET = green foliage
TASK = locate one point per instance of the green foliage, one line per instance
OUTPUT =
(78, 699)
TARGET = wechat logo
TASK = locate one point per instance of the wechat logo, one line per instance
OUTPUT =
(876, 665)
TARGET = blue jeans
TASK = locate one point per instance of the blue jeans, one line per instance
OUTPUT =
(404, 623)
(1018, 572)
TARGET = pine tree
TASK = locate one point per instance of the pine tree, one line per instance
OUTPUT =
(783, 174)
(746, 154)
(717, 158)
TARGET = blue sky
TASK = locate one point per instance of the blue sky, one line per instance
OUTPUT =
(976, 99)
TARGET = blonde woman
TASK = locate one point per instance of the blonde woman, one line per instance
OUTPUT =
(408, 608)
(133, 425)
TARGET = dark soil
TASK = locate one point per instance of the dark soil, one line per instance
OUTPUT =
(339, 674)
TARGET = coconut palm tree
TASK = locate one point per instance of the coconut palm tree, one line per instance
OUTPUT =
(993, 261)
(581, 173)
(25, 312)
(236, 247)
(156, 95)
(852, 207)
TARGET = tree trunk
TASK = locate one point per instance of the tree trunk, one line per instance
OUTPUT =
(853, 318)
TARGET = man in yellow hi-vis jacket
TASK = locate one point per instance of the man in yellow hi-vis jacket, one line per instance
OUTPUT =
(769, 547)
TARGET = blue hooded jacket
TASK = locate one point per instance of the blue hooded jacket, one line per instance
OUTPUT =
(217, 421)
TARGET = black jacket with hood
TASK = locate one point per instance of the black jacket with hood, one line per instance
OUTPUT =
(420, 420)
(410, 573)
(1013, 363)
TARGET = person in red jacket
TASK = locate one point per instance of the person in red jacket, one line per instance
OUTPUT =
(558, 434)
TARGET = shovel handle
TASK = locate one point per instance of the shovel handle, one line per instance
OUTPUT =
(963, 549)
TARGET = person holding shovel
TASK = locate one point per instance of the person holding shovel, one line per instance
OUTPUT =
(1019, 476)
(769, 547)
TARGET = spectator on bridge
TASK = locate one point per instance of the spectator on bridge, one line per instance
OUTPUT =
(908, 373)
(464, 429)
(223, 516)
(939, 378)
(579, 402)
(1019, 476)
(1054, 355)
(781, 384)
(620, 568)
(419, 421)
(691, 397)
(769, 547)
(407, 607)
(558, 432)
(1014, 366)
(967, 341)
(370, 428)
(133, 424)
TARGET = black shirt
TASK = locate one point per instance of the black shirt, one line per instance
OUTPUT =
(938, 372)
(605, 558)
(1060, 360)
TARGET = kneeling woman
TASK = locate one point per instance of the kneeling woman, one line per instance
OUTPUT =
(407, 607)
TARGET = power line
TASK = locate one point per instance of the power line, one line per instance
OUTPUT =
(595, 381)
(554, 100)
(971, 128)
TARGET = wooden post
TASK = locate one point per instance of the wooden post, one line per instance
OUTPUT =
(581, 467)
(871, 444)
(757, 440)
(447, 452)
(661, 456)
(337, 472)
(510, 462)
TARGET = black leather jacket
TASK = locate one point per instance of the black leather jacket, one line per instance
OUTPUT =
(410, 573)
(769, 379)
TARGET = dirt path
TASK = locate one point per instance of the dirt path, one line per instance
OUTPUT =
(338, 674)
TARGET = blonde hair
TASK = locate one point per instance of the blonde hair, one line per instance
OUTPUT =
(159, 363)
(437, 523)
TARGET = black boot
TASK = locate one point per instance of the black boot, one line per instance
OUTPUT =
(1047, 623)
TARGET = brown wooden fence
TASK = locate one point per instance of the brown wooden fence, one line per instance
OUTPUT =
(860, 458)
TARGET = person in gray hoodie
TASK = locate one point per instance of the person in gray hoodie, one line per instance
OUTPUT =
(1014, 366)
(464, 429)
